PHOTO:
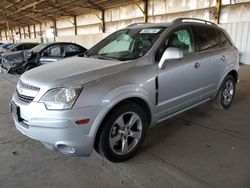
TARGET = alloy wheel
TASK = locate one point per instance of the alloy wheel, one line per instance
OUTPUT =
(228, 92)
(125, 133)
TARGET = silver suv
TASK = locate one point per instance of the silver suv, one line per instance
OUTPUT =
(130, 81)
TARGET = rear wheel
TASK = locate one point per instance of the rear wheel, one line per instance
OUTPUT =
(123, 133)
(226, 93)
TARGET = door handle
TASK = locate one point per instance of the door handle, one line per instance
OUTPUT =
(197, 65)
(223, 58)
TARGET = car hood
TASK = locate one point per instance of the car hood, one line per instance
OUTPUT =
(73, 71)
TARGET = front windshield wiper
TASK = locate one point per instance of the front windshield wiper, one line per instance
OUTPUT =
(102, 57)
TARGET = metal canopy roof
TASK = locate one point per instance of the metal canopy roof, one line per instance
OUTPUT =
(16, 13)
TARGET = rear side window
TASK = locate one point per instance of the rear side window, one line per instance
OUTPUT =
(225, 42)
(207, 38)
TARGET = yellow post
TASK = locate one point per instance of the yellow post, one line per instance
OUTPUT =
(217, 11)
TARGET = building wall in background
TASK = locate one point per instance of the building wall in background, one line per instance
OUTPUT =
(89, 30)
(240, 34)
(236, 21)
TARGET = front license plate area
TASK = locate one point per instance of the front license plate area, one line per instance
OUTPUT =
(15, 110)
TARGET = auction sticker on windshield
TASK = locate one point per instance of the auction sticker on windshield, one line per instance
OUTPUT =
(151, 30)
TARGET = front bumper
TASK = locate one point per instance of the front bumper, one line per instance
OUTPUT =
(55, 129)
(7, 67)
(3, 70)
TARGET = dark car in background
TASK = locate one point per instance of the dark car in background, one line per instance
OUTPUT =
(9, 47)
(20, 62)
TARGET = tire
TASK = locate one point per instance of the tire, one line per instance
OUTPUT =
(119, 139)
(226, 93)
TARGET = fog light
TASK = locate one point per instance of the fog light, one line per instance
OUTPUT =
(65, 149)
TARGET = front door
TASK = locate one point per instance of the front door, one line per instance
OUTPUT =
(52, 54)
(180, 81)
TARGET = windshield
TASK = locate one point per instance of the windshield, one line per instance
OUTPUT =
(126, 44)
(39, 47)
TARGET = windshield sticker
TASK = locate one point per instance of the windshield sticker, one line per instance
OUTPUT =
(151, 30)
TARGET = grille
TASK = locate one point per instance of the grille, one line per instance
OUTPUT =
(24, 98)
(24, 85)
(26, 92)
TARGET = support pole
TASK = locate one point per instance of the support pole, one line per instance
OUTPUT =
(19, 30)
(143, 10)
(41, 33)
(24, 33)
(8, 30)
(12, 35)
(103, 22)
(29, 32)
(217, 11)
(55, 28)
(75, 25)
(146, 11)
(6, 36)
(34, 30)
(101, 18)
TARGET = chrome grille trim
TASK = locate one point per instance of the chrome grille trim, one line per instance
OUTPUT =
(26, 92)
(24, 85)
(24, 98)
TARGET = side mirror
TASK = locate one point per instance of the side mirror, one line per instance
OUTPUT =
(170, 53)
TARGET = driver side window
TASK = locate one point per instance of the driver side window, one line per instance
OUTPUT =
(181, 39)
(55, 51)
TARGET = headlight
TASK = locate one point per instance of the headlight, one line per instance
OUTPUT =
(60, 98)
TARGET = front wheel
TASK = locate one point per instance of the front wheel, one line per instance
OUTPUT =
(226, 93)
(123, 133)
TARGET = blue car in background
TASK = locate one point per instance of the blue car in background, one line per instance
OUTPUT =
(4, 47)
(9, 47)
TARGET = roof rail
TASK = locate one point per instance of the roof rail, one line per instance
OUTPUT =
(135, 24)
(181, 20)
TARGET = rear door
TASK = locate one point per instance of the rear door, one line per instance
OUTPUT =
(212, 58)
(52, 54)
(180, 81)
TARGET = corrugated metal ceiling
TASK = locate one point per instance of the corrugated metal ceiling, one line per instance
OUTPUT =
(23, 12)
